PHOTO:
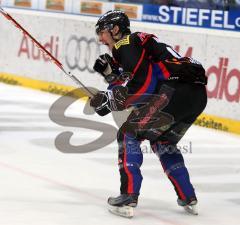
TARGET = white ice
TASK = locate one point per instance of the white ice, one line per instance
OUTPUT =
(39, 185)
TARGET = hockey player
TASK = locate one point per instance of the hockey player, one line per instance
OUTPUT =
(166, 93)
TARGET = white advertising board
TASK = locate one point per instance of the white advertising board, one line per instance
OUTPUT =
(72, 40)
(85, 7)
(33, 4)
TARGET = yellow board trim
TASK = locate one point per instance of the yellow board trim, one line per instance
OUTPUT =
(204, 120)
(218, 123)
(46, 86)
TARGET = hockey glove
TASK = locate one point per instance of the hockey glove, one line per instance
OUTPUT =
(100, 102)
(105, 102)
(106, 67)
(118, 97)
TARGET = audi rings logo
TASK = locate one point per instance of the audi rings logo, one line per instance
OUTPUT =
(81, 53)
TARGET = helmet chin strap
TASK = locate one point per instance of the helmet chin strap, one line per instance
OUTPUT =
(116, 40)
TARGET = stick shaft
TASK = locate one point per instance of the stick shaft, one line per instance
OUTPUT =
(44, 50)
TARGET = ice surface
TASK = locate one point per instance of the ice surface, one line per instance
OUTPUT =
(42, 186)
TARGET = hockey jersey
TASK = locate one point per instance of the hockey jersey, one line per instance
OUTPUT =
(150, 62)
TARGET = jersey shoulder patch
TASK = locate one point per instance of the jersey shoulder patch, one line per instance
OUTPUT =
(144, 37)
(124, 41)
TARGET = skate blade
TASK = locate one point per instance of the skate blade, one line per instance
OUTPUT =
(124, 211)
(192, 209)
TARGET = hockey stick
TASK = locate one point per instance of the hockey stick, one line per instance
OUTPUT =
(45, 51)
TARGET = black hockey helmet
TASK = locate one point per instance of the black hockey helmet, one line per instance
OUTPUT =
(112, 18)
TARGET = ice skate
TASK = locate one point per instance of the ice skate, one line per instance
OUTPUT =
(123, 205)
(189, 206)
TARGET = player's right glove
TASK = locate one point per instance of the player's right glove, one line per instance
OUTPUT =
(106, 101)
(100, 102)
(106, 67)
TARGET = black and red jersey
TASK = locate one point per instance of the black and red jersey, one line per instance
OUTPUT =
(149, 61)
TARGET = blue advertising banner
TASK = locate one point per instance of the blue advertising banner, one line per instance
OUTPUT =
(194, 17)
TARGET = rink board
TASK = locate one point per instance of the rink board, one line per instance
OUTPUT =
(72, 40)
(204, 120)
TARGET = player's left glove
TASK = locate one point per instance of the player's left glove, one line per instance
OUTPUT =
(106, 67)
